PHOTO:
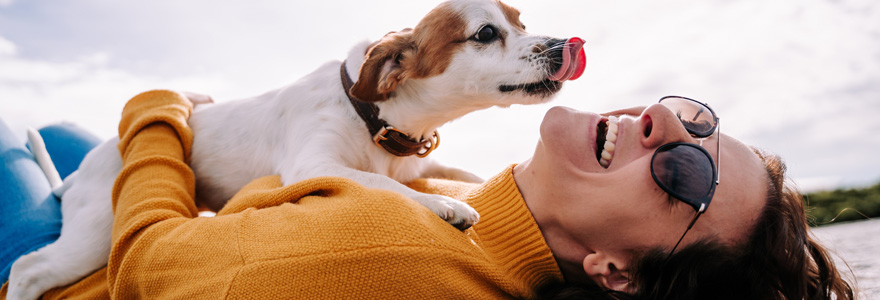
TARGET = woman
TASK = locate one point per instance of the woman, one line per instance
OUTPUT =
(644, 216)
(770, 255)
(752, 244)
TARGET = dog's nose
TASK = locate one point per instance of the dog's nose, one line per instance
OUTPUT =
(555, 45)
(554, 52)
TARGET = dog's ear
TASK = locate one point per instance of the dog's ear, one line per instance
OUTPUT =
(382, 70)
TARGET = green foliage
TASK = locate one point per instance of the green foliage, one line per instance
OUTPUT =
(843, 205)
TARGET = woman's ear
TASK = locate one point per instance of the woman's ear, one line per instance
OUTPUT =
(382, 70)
(607, 271)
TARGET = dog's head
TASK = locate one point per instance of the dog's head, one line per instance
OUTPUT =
(475, 50)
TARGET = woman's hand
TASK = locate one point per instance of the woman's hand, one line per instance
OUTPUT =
(197, 99)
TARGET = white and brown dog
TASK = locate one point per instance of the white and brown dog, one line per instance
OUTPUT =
(465, 55)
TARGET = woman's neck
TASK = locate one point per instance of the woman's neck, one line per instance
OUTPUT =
(566, 250)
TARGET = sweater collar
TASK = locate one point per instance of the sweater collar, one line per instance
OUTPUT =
(509, 233)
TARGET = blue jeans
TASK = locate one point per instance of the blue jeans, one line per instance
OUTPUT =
(30, 215)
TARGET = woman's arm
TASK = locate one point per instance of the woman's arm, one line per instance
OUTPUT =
(154, 141)
(160, 248)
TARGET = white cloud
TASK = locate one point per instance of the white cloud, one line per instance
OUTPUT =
(84, 91)
(7, 48)
(4, 3)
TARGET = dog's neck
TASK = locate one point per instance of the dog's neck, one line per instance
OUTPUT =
(415, 107)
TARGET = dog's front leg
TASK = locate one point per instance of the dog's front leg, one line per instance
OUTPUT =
(455, 212)
(433, 169)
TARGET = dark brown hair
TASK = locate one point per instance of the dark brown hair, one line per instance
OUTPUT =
(781, 260)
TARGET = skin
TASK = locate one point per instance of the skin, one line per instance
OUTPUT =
(596, 220)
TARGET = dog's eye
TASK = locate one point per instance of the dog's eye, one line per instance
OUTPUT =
(486, 34)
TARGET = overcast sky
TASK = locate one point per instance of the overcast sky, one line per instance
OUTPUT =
(798, 77)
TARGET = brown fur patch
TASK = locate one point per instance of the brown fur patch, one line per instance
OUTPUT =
(438, 37)
(381, 72)
(512, 15)
(425, 51)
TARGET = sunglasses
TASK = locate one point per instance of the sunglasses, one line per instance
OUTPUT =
(686, 171)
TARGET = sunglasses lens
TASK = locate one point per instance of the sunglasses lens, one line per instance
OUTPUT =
(696, 117)
(685, 172)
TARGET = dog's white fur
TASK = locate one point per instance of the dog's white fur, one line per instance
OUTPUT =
(309, 129)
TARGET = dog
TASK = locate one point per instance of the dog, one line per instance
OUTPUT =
(464, 55)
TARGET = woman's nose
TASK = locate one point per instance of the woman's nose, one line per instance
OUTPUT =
(661, 126)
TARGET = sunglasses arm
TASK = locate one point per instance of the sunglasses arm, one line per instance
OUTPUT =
(699, 212)
(691, 225)
(718, 164)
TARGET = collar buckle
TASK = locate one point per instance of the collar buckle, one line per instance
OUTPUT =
(380, 136)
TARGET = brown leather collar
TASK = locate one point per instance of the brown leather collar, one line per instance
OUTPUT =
(394, 141)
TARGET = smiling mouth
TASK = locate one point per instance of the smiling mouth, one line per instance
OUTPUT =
(606, 140)
(542, 88)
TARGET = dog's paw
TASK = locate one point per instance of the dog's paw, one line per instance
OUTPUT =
(26, 278)
(455, 212)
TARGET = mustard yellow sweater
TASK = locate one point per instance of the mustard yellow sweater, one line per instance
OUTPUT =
(321, 238)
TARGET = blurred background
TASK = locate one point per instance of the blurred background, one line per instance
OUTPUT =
(797, 77)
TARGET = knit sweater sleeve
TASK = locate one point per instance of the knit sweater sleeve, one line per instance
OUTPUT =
(154, 207)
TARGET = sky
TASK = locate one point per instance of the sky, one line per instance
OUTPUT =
(800, 78)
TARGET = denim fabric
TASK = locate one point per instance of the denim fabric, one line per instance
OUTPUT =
(30, 216)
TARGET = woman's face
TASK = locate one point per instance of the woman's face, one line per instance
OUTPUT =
(600, 218)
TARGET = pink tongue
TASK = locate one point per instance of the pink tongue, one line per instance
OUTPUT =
(573, 61)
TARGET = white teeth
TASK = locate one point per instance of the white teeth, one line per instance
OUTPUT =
(611, 136)
(610, 140)
(609, 146)
(607, 155)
